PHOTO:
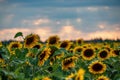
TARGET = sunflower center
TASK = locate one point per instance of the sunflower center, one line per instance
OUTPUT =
(64, 45)
(101, 79)
(103, 54)
(42, 55)
(97, 67)
(15, 46)
(37, 46)
(29, 40)
(53, 40)
(79, 42)
(79, 50)
(88, 53)
(66, 62)
(116, 52)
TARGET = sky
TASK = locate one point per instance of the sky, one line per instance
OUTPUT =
(69, 19)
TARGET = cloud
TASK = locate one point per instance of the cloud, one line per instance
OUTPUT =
(97, 8)
(79, 20)
(104, 34)
(92, 8)
(69, 32)
(36, 22)
(101, 26)
(108, 26)
(40, 21)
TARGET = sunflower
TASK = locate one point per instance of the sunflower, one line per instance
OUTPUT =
(43, 56)
(77, 49)
(115, 52)
(68, 63)
(70, 50)
(52, 50)
(53, 40)
(103, 54)
(97, 67)
(52, 60)
(79, 41)
(80, 74)
(56, 57)
(37, 46)
(29, 54)
(14, 45)
(30, 40)
(102, 78)
(65, 44)
(70, 77)
(88, 53)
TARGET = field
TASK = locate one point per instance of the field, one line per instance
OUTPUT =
(32, 59)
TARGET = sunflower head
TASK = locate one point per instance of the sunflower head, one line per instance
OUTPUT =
(52, 50)
(77, 49)
(88, 54)
(97, 67)
(103, 54)
(52, 60)
(65, 44)
(70, 50)
(79, 41)
(53, 40)
(32, 55)
(68, 63)
(115, 52)
(37, 46)
(30, 40)
(43, 56)
(14, 45)
(103, 78)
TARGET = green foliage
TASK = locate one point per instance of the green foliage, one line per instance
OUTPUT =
(18, 34)
(19, 67)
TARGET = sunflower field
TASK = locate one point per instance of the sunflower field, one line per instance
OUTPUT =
(32, 59)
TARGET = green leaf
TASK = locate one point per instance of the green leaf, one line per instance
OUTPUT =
(18, 34)
(117, 77)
